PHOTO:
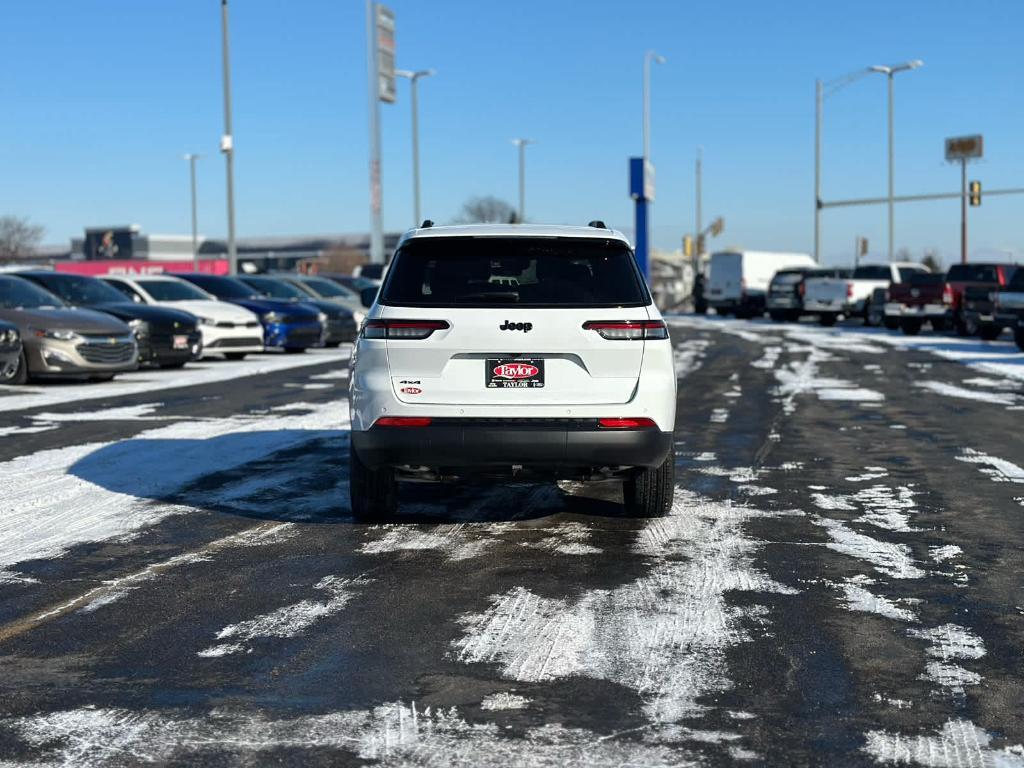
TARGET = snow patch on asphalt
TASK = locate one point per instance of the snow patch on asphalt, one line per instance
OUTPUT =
(960, 744)
(395, 734)
(499, 702)
(895, 560)
(999, 470)
(689, 356)
(962, 393)
(943, 553)
(948, 645)
(664, 635)
(858, 598)
(289, 620)
(48, 509)
(450, 540)
(719, 415)
(125, 413)
(567, 539)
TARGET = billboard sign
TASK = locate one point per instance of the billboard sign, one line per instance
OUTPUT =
(107, 244)
(385, 27)
(964, 148)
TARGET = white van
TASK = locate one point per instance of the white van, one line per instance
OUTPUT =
(739, 279)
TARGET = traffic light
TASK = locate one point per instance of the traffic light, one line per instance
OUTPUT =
(687, 246)
(974, 193)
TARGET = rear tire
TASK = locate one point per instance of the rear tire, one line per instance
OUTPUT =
(892, 324)
(649, 492)
(235, 355)
(910, 326)
(778, 316)
(1018, 336)
(989, 332)
(20, 374)
(373, 493)
(827, 319)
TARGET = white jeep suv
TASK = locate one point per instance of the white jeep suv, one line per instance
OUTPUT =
(512, 351)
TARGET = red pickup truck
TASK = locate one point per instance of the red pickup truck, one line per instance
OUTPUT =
(925, 298)
(960, 277)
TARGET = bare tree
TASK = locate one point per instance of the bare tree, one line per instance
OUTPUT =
(487, 210)
(19, 238)
(931, 260)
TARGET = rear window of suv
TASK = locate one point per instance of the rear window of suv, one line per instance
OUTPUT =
(514, 272)
(973, 273)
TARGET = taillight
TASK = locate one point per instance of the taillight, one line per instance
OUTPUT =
(402, 329)
(849, 290)
(947, 294)
(626, 423)
(618, 330)
(402, 421)
(801, 289)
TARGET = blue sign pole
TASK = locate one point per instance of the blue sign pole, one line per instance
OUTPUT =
(641, 189)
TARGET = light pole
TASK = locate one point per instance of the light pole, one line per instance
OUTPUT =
(195, 238)
(890, 72)
(823, 90)
(521, 143)
(648, 58)
(414, 77)
(227, 145)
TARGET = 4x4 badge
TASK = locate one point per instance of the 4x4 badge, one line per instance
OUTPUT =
(510, 326)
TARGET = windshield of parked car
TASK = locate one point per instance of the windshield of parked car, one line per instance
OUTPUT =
(872, 273)
(275, 289)
(81, 291)
(788, 278)
(172, 290)
(514, 272)
(1017, 283)
(222, 287)
(327, 288)
(16, 293)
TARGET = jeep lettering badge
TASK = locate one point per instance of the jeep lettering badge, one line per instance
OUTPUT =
(510, 326)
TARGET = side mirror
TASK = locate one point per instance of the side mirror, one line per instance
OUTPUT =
(368, 295)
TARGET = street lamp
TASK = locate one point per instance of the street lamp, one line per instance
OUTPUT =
(648, 58)
(823, 90)
(195, 239)
(890, 72)
(414, 77)
(521, 143)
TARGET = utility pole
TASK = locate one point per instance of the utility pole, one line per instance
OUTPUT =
(819, 109)
(963, 210)
(195, 237)
(700, 162)
(376, 220)
(521, 143)
(227, 145)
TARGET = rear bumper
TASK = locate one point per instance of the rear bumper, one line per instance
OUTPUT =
(922, 311)
(494, 443)
(834, 305)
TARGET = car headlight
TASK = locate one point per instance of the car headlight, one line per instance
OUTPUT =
(139, 327)
(9, 336)
(206, 320)
(322, 317)
(273, 317)
(60, 334)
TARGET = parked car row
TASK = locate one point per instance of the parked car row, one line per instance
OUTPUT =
(59, 325)
(983, 299)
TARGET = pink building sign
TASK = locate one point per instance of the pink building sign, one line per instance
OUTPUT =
(137, 267)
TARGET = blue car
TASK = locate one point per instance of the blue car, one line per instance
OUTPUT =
(291, 326)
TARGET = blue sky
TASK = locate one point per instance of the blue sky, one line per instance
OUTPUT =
(101, 98)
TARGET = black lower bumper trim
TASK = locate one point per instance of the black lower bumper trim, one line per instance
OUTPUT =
(489, 443)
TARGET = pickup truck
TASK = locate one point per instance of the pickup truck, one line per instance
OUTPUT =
(925, 298)
(1009, 307)
(980, 280)
(830, 297)
(786, 290)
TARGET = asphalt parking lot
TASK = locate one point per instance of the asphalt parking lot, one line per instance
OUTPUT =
(839, 582)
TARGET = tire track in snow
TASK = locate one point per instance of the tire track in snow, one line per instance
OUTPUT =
(665, 635)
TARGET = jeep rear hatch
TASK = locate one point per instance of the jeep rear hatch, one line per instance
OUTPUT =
(526, 321)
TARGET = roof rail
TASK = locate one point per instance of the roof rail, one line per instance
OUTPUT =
(597, 224)
(427, 224)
